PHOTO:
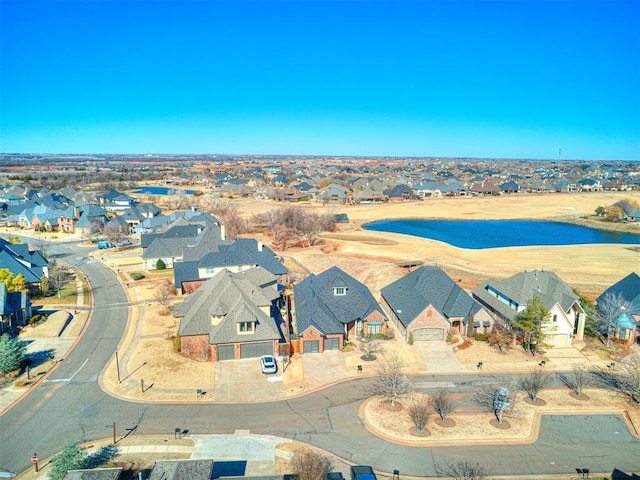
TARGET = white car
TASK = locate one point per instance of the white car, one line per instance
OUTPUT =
(268, 364)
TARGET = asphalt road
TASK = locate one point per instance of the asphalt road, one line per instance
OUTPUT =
(71, 406)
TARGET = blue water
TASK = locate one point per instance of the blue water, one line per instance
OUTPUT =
(161, 191)
(477, 234)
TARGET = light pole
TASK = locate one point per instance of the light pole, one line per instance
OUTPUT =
(117, 364)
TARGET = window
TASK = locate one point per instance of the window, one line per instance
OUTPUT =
(245, 327)
(555, 318)
(339, 291)
(210, 269)
(374, 329)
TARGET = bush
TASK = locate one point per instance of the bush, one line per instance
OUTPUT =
(349, 347)
(160, 265)
(37, 318)
(449, 337)
(410, 338)
(137, 275)
(380, 336)
(481, 337)
(177, 344)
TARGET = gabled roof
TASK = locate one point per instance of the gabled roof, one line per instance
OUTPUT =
(236, 298)
(94, 474)
(244, 251)
(316, 303)
(428, 285)
(628, 288)
(18, 259)
(521, 287)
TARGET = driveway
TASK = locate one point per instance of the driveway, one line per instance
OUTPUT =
(438, 357)
(243, 379)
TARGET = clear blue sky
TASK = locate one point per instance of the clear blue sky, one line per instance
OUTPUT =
(509, 79)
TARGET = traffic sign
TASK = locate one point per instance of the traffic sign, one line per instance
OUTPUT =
(34, 459)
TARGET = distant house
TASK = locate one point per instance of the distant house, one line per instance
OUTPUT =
(232, 316)
(20, 260)
(332, 307)
(427, 304)
(507, 298)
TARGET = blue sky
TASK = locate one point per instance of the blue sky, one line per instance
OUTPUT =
(504, 79)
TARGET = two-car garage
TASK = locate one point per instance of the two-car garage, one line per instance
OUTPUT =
(428, 334)
(313, 346)
(247, 350)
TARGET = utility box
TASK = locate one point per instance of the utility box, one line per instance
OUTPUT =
(362, 472)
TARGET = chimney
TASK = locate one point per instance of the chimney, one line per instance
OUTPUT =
(259, 246)
(76, 212)
(223, 234)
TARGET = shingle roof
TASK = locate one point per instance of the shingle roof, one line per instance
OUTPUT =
(428, 285)
(628, 288)
(244, 251)
(94, 474)
(238, 299)
(182, 469)
(317, 305)
(523, 286)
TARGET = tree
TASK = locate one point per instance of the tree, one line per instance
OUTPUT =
(12, 353)
(45, 287)
(310, 465)
(487, 393)
(390, 382)
(600, 210)
(160, 265)
(370, 346)
(534, 382)
(15, 240)
(115, 232)
(612, 307)
(419, 412)
(623, 378)
(19, 283)
(576, 380)
(442, 403)
(502, 341)
(532, 322)
(58, 277)
(163, 293)
(464, 470)
(72, 457)
(6, 277)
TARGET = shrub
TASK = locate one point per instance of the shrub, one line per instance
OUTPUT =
(177, 344)
(160, 265)
(349, 347)
(380, 336)
(481, 337)
(449, 337)
(37, 318)
(137, 275)
(410, 338)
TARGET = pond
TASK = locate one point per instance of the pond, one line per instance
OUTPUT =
(478, 234)
(161, 191)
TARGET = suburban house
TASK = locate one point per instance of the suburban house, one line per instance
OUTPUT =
(427, 304)
(233, 315)
(19, 260)
(200, 469)
(628, 325)
(16, 309)
(111, 473)
(330, 308)
(505, 299)
(170, 246)
(199, 264)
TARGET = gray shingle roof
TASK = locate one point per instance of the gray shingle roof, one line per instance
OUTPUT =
(237, 299)
(428, 285)
(94, 474)
(629, 289)
(182, 469)
(521, 287)
(317, 305)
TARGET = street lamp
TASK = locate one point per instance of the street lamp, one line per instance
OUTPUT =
(117, 364)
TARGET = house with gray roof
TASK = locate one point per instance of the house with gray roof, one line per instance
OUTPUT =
(233, 315)
(426, 304)
(628, 324)
(507, 298)
(331, 307)
(20, 260)
(94, 474)
(201, 469)
(15, 309)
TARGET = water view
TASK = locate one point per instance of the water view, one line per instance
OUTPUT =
(477, 234)
(161, 191)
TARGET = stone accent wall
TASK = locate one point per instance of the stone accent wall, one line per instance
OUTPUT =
(196, 347)
(429, 318)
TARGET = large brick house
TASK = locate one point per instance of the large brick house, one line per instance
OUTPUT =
(233, 315)
(427, 304)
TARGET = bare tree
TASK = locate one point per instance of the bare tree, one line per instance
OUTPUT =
(115, 232)
(391, 382)
(310, 465)
(233, 223)
(534, 382)
(442, 403)
(486, 396)
(576, 380)
(611, 308)
(163, 294)
(370, 346)
(419, 412)
(623, 378)
(464, 470)
(58, 277)
(502, 341)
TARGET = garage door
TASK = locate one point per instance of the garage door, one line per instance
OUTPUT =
(558, 339)
(226, 352)
(311, 346)
(252, 350)
(428, 334)
(332, 344)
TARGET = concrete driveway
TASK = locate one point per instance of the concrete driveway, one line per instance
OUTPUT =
(239, 380)
(439, 357)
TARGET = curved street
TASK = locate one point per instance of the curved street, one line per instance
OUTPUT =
(69, 405)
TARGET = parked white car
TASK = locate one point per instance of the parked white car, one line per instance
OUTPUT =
(268, 364)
